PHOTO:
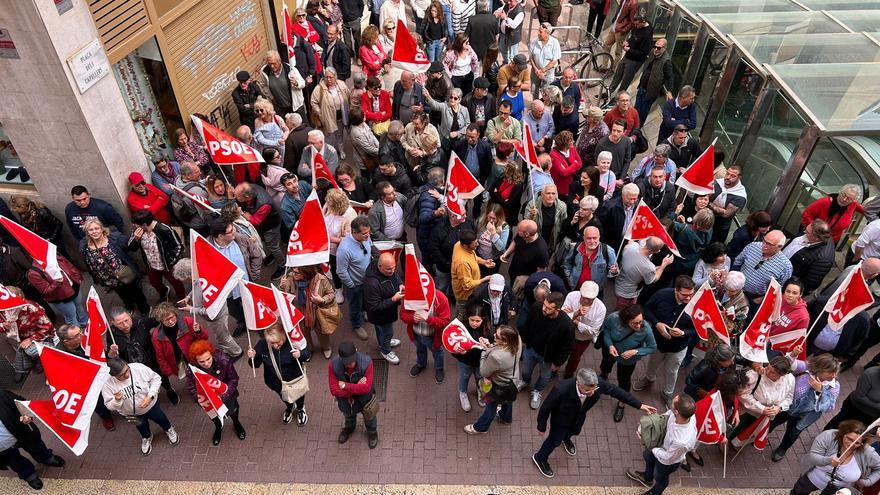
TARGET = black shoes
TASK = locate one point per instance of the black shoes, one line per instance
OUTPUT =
(218, 435)
(36, 484)
(239, 430)
(778, 454)
(415, 370)
(235, 358)
(697, 458)
(438, 376)
(372, 439)
(172, 396)
(544, 467)
(569, 447)
(618, 413)
(344, 435)
(54, 461)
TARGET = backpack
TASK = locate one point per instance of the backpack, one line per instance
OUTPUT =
(411, 209)
(184, 210)
(652, 430)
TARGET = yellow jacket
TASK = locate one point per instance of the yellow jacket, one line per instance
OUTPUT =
(465, 272)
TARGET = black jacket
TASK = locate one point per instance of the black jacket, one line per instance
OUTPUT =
(137, 346)
(613, 218)
(14, 265)
(378, 290)
(812, 263)
(851, 335)
(660, 201)
(683, 156)
(481, 297)
(304, 55)
(341, 60)
(287, 364)
(28, 436)
(294, 145)
(491, 110)
(565, 411)
(641, 42)
(244, 101)
(261, 198)
(397, 93)
(393, 149)
(170, 245)
(552, 338)
(400, 180)
(352, 10)
(442, 240)
(484, 156)
(482, 29)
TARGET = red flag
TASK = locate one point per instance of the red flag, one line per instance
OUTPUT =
(309, 242)
(8, 300)
(41, 250)
(406, 54)
(419, 290)
(360, 208)
(223, 148)
(645, 224)
(699, 178)
(288, 32)
(290, 318)
(197, 200)
(759, 430)
(753, 343)
(93, 336)
(786, 342)
(216, 274)
(456, 338)
(320, 169)
(711, 424)
(209, 390)
(75, 384)
(526, 147)
(852, 296)
(704, 313)
(393, 247)
(44, 412)
(460, 184)
(259, 305)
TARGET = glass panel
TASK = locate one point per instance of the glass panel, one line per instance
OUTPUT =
(810, 48)
(842, 97)
(681, 52)
(12, 171)
(840, 4)
(774, 23)
(711, 67)
(737, 107)
(661, 21)
(779, 134)
(861, 20)
(742, 6)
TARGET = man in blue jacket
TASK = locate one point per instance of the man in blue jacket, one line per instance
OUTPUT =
(84, 206)
(476, 154)
(681, 110)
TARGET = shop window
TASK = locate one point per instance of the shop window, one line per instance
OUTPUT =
(12, 170)
(737, 107)
(711, 67)
(681, 51)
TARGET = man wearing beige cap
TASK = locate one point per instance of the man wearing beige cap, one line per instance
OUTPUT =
(587, 312)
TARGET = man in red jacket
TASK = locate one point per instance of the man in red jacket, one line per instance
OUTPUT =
(351, 382)
(143, 196)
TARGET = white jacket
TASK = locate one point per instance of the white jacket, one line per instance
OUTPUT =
(143, 382)
(767, 394)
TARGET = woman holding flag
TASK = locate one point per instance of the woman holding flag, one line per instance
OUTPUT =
(839, 458)
(281, 363)
(204, 357)
(498, 368)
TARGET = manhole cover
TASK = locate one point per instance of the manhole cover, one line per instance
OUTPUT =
(7, 375)
(380, 378)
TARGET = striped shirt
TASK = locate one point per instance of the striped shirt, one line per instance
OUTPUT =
(758, 270)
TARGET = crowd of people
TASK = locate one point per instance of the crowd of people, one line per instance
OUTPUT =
(538, 271)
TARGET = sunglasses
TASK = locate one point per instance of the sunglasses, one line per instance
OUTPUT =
(658, 47)
(300, 15)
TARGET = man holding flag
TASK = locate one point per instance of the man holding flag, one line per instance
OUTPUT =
(242, 251)
(70, 341)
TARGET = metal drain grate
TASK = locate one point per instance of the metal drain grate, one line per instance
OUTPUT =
(7, 375)
(380, 378)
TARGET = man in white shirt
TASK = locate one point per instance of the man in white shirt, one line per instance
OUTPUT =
(587, 313)
(681, 438)
(868, 243)
(544, 55)
(386, 216)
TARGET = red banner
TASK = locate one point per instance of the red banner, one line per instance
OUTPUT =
(259, 306)
(393, 247)
(214, 272)
(8, 300)
(753, 342)
(456, 338)
(711, 423)
(418, 286)
(75, 384)
(645, 224)
(460, 184)
(309, 242)
(223, 148)
(758, 430)
(41, 250)
(699, 178)
(406, 54)
(526, 147)
(852, 296)
(705, 314)
(44, 412)
(209, 390)
(290, 318)
(320, 170)
(93, 336)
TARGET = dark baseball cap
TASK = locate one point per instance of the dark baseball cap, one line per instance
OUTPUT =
(347, 352)
(243, 76)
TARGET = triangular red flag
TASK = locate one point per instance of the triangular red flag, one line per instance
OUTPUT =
(8, 300)
(288, 32)
(646, 224)
(259, 305)
(197, 200)
(320, 170)
(753, 342)
(44, 411)
(41, 250)
(526, 147)
(699, 178)
(460, 184)
(309, 242)
(216, 274)
(704, 313)
(75, 384)
(223, 148)
(406, 54)
(852, 296)
(456, 339)
(93, 336)
(711, 422)
(419, 290)
(290, 318)
(208, 391)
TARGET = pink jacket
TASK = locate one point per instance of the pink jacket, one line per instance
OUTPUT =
(449, 61)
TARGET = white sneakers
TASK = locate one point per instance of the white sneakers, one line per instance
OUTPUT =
(340, 297)
(391, 357)
(465, 402)
(395, 342)
(535, 401)
(146, 446)
(172, 436)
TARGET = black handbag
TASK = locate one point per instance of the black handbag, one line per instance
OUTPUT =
(503, 393)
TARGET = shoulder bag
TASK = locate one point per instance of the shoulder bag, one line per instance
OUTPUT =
(292, 390)
(327, 316)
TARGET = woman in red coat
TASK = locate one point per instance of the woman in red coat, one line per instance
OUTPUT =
(304, 29)
(836, 209)
(565, 162)
(371, 52)
(172, 337)
(376, 103)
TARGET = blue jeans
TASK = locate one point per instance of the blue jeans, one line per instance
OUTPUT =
(530, 358)
(508, 46)
(447, 12)
(443, 282)
(383, 336)
(554, 438)
(489, 412)
(435, 50)
(73, 312)
(657, 472)
(464, 374)
(354, 296)
(157, 415)
(423, 343)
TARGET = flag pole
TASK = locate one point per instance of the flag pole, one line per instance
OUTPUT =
(870, 427)
(112, 338)
(250, 346)
(734, 455)
(724, 470)
(812, 325)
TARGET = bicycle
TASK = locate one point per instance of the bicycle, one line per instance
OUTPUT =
(597, 68)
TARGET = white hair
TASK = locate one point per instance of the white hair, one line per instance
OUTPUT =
(315, 133)
(605, 155)
(589, 203)
(630, 189)
(735, 281)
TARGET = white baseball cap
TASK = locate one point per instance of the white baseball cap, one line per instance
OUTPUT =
(496, 282)
(589, 289)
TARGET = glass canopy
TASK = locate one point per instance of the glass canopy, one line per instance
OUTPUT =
(819, 48)
(859, 20)
(841, 97)
(840, 4)
(741, 6)
(773, 23)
